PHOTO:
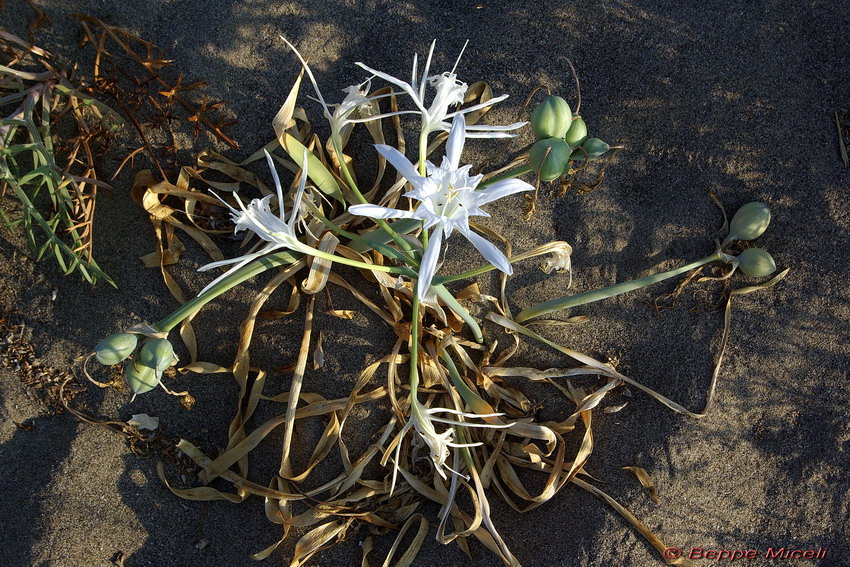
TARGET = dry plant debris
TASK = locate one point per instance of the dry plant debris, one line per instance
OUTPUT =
(136, 77)
(43, 383)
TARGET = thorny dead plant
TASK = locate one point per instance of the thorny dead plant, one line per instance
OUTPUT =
(460, 427)
(136, 77)
(55, 183)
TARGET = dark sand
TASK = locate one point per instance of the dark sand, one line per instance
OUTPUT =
(735, 98)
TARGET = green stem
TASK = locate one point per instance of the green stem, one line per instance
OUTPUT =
(423, 152)
(469, 274)
(473, 272)
(455, 306)
(605, 293)
(414, 348)
(403, 244)
(259, 266)
(248, 271)
(357, 264)
(379, 246)
(511, 173)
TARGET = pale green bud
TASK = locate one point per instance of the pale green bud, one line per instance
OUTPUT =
(748, 223)
(756, 263)
(115, 348)
(577, 132)
(551, 118)
(140, 378)
(157, 354)
(549, 157)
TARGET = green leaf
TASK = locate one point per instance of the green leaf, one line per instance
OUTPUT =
(316, 170)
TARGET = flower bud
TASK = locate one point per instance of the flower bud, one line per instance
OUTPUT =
(577, 132)
(140, 378)
(590, 149)
(756, 263)
(549, 157)
(551, 118)
(115, 348)
(749, 222)
(157, 354)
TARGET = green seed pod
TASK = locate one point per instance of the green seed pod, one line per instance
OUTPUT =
(115, 348)
(595, 147)
(749, 222)
(551, 118)
(756, 263)
(157, 354)
(549, 157)
(141, 378)
(577, 132)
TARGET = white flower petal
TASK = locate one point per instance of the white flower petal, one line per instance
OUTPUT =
(473, 108)
(277, 185)
(495, 127)
(489, 251)
(425, 72)
(406, 87)
(401, 163)
(428, 265)
(378, 212)
(457, 136)
(502, 189)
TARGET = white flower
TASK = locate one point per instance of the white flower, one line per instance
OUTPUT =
(422, 419)
(559, 261)
(259, 219)
(339, 115)
(450, 92)
(447, 199)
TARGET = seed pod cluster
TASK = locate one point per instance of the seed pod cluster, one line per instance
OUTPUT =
(562, 139)
(748, 223)
(143, 364)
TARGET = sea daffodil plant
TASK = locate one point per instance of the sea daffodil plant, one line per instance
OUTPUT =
(471, 424)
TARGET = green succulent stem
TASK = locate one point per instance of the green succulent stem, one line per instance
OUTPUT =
(379, 246)
(471, 273)
(403, 244)
(247, 272)
(414, 348)
(610, 291)
(423, 152)
(257, 267)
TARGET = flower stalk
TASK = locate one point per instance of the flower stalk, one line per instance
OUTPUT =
(553, 305)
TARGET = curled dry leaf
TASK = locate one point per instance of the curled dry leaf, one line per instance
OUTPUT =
(645, 482)
(144, 421)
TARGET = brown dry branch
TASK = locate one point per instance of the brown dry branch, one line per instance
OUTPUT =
(148, 100)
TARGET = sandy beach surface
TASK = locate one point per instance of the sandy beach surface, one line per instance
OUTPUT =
(731, 98)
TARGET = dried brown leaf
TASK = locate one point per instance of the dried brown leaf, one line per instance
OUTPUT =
(645, 481)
